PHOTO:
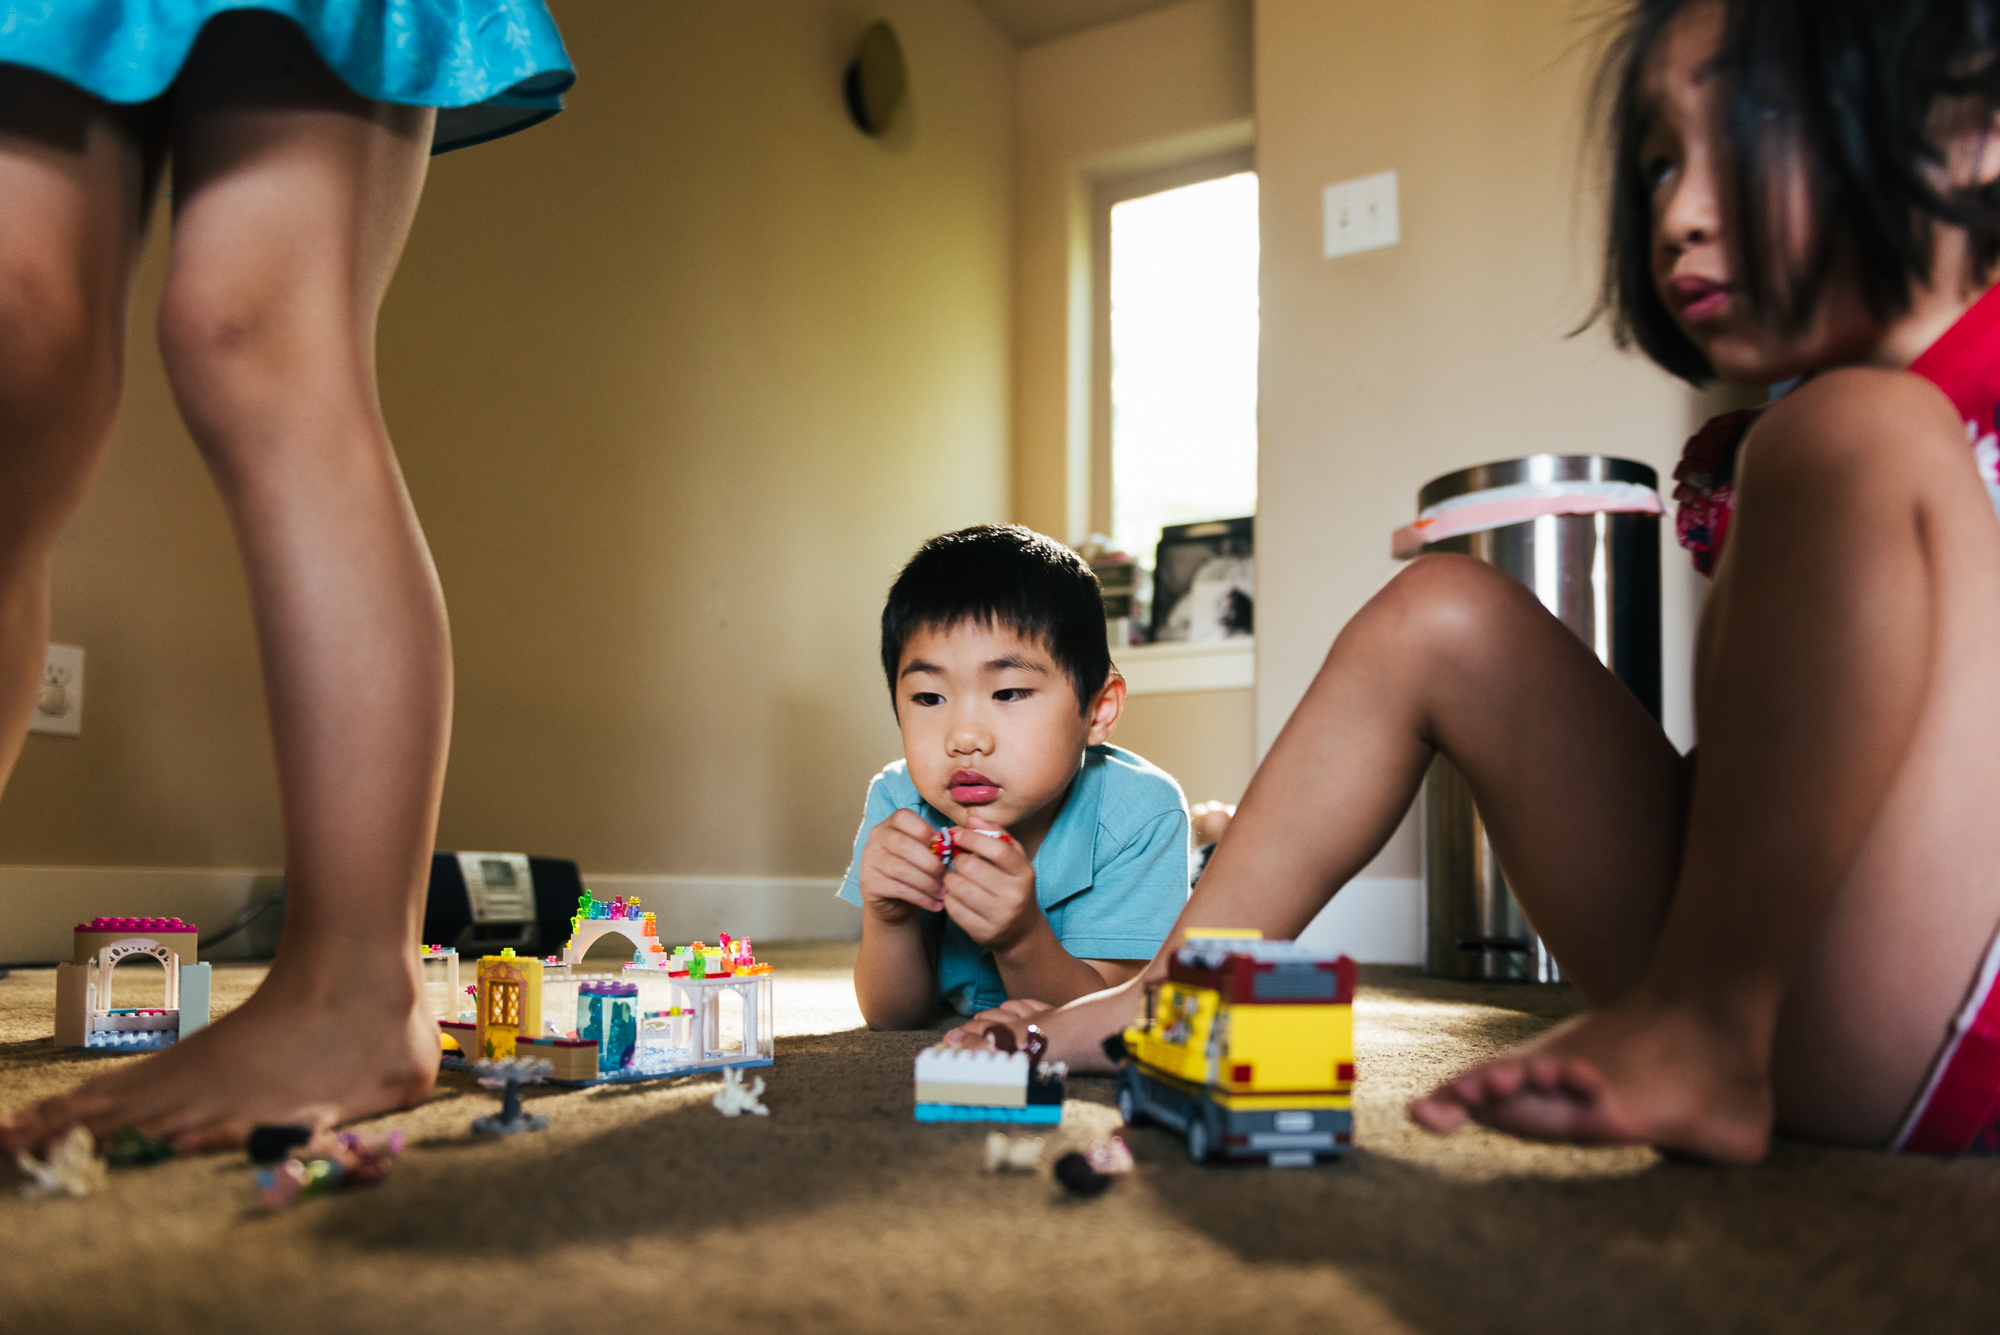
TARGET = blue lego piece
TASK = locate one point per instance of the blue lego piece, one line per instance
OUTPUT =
(130, 1040)
(630, 1075)
(1035, 1114)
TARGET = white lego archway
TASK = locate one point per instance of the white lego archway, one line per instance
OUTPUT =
(117, 952)
(590, 929)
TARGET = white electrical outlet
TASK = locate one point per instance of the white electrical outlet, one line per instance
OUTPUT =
(1361, 215)
(59, 703)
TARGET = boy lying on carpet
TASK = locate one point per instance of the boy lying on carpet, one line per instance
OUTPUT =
(1067, 858)
(1797, 931)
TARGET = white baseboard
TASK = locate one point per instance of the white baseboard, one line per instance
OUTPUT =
(1376, 919)
(40, 906)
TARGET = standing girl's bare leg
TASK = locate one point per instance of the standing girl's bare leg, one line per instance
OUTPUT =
(75, 186)
(293, 198)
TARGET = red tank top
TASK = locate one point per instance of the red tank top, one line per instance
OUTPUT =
(1964, 363)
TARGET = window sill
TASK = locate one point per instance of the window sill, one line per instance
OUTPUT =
(1165, 669)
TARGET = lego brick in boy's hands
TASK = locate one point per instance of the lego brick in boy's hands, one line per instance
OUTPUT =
(901, 869)
(948, 842)
(989, 887)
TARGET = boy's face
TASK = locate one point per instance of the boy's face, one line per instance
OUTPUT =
(991, 725)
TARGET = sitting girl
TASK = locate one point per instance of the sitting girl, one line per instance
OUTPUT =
(1793, 930)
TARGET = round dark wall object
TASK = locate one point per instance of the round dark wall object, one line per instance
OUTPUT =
(877, 81)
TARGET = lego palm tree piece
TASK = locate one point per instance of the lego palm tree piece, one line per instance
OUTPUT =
(1246, 1049)
(508, 1075)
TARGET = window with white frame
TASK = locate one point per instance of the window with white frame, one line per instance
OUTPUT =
(1177, 402)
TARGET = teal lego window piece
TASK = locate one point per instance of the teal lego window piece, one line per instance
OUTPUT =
(608, 1014)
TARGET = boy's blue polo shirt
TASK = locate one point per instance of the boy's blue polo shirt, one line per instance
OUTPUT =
(1111, 875)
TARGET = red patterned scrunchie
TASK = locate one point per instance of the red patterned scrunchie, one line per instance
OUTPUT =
(1705, 486)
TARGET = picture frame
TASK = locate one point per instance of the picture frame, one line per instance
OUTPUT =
(1204, 581)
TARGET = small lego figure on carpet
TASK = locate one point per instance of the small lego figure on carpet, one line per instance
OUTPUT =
(72, 1167)
(733, 1099)
(322, 1163)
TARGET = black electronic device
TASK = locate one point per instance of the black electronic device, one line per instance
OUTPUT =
(482, 903)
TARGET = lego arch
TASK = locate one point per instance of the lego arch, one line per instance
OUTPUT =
(590, 929)
(735, 1024)
(109, 958)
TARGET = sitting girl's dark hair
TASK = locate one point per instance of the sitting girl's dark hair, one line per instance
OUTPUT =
(1839, 96)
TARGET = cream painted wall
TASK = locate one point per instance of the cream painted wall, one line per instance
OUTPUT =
(1205, 739)
(1119, 99)
(1123, 98)
(1383, 370)
(678, 379)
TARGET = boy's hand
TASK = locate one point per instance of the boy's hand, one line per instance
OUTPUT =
(1003, 1016)
(990, 889)
(899, 873)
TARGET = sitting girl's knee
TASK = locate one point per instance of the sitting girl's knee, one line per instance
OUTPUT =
(1443, 596)
(1448, 583)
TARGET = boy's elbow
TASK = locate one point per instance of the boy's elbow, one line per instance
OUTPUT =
(883, 1019)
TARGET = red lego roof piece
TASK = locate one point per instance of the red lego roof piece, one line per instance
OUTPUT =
(1244, 980)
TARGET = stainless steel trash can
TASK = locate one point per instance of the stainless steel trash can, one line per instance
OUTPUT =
(1599, 573)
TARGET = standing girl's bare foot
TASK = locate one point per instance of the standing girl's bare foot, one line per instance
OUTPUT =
(303, 1050)
(1633, 1073)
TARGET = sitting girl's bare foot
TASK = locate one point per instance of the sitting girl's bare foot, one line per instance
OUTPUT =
(312, 1051)
(1632, 1074)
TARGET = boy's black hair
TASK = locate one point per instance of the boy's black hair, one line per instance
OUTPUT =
(1846, 94)
(1006, 576)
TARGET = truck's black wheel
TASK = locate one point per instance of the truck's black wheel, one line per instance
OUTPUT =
(1128, 1100)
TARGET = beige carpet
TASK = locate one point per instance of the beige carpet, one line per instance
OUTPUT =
(642, 1209)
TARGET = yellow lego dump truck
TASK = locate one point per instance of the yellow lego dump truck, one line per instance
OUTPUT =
(1247, 1049)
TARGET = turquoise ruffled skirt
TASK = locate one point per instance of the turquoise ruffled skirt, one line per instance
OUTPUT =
(490, 67)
